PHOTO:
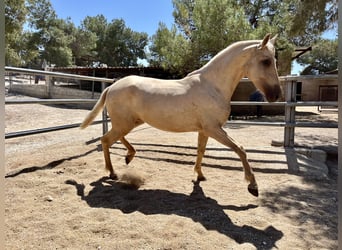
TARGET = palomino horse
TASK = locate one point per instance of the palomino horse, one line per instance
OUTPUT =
(199, 102)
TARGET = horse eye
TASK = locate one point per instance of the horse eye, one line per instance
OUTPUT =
(266, 62)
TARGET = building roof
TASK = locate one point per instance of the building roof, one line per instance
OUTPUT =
(116, 72)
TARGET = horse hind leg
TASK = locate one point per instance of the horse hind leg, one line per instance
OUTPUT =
(130, 150)
(107, 141)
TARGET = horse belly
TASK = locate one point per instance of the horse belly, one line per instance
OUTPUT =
(174, 127)
(172, 118)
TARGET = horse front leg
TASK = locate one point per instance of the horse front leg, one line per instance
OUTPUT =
(221, 136)
(201, 145)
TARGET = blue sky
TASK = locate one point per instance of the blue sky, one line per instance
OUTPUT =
(139, 15)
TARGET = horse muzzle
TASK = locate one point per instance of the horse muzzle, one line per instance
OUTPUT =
(273, 93)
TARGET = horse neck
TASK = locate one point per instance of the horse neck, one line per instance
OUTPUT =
(227, 68)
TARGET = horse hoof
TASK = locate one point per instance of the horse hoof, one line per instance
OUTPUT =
(254, 191)
(113, 176)
(129, 158)
(201, 178)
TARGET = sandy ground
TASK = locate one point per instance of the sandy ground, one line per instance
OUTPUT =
(58, 195)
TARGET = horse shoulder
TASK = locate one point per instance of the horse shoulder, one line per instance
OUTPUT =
(209, 103)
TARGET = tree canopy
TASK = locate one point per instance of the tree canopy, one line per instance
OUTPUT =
(204, 27)
(15, 15)
(59, 42)
(115, 44)
(322, 59)
(201, 28)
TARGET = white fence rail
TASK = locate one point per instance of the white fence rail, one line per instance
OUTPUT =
(289, 105)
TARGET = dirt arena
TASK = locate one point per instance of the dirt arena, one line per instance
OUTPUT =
(58, 195)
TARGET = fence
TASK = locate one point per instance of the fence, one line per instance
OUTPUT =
(48, 74)
(289, 104)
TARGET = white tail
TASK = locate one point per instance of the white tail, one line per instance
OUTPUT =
(97, 108)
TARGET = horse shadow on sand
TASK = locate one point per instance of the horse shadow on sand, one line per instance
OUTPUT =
(107, 193)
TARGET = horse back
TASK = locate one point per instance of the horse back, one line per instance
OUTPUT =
(172, 105)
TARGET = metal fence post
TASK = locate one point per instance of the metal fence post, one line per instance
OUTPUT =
(104, 113)
(48, 85)
(290, 111)
(289, 130)
(10, 80)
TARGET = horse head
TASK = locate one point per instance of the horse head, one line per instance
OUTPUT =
(261, 69)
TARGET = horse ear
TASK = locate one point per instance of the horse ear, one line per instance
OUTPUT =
(273, 40)
(262, 45)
